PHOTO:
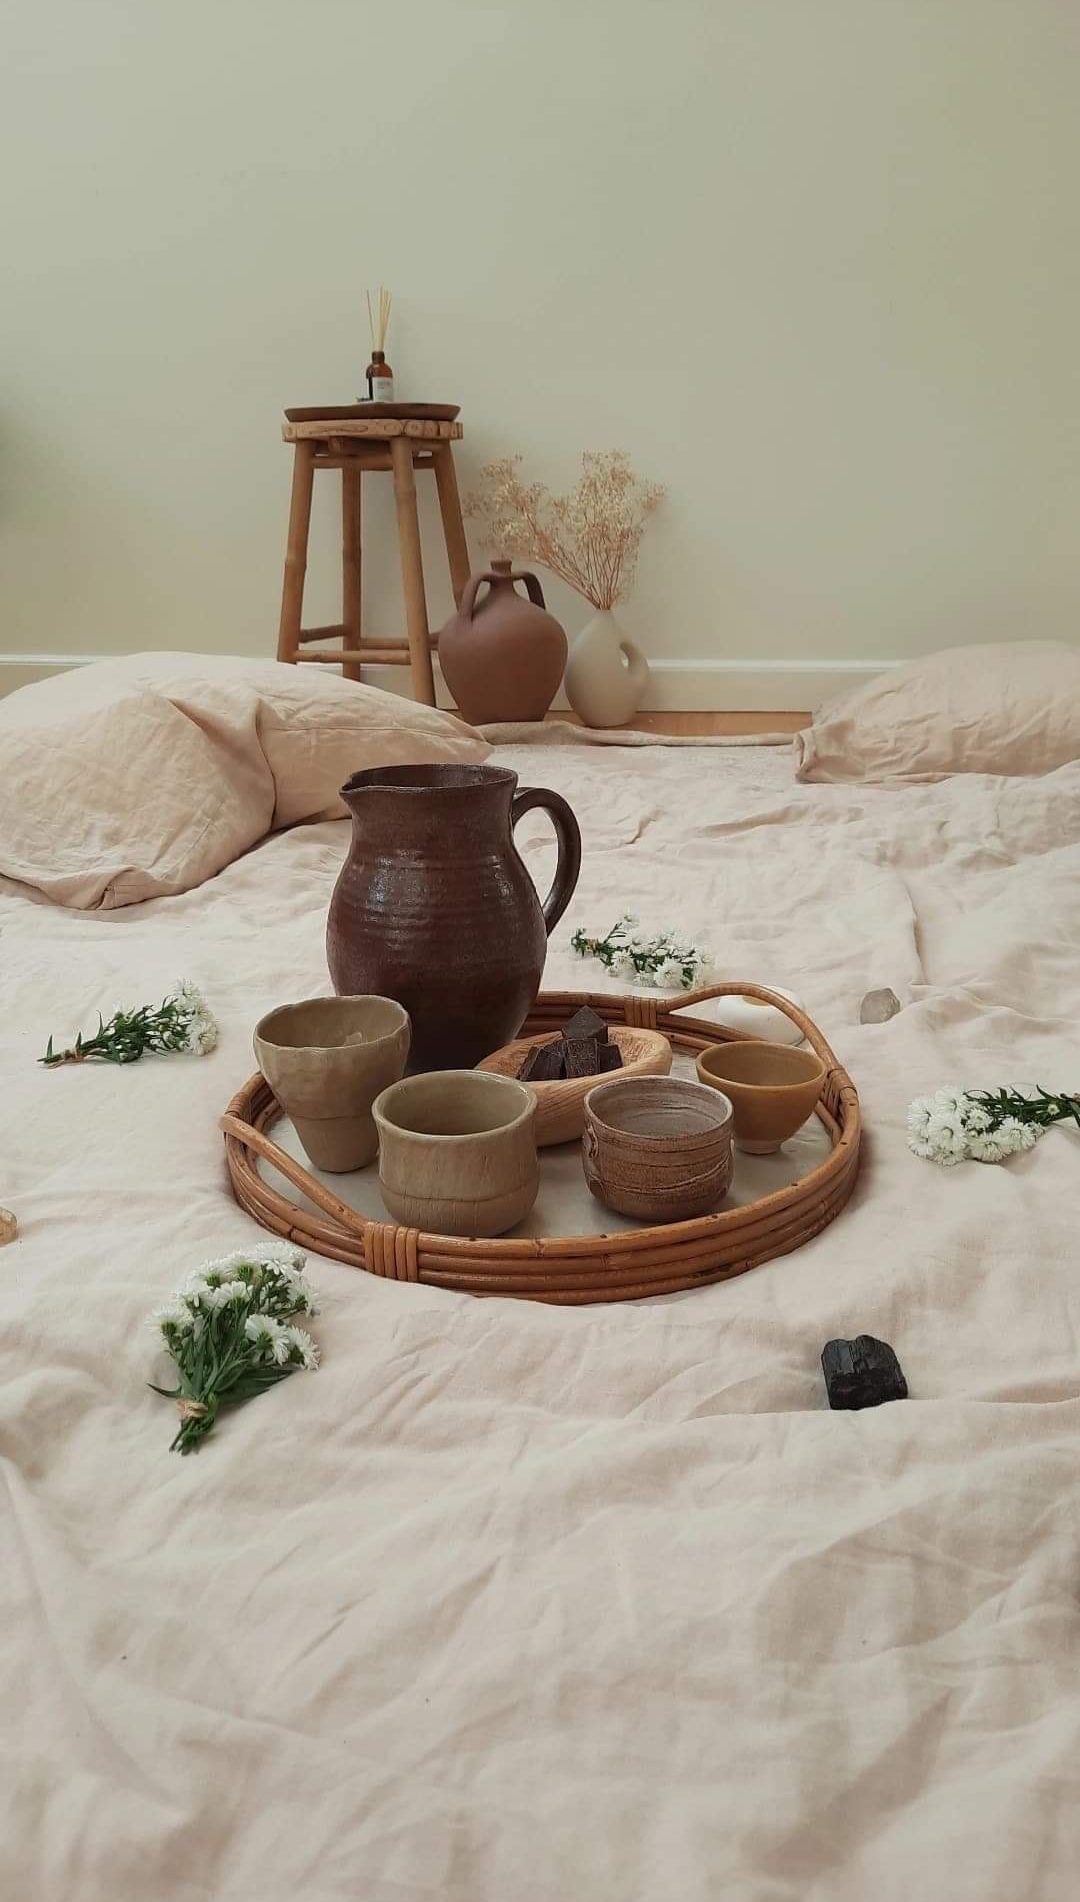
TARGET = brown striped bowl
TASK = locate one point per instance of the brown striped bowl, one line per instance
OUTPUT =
(657, 1148)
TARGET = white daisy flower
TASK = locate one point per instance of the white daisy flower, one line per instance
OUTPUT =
(226, 1294)
(304, 1299)
(303, 1345)
(279, 1255)
(669, 975)
(270, 1337)
(951, 1127)
(202, 1029)
(1010, 1138)
(172, 1318)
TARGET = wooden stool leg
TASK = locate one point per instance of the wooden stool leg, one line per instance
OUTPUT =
(350, 567)
(292, 593)
(412, 570)
(457, 552)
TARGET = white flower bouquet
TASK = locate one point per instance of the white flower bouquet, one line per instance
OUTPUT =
(957, 1125)
(231, 1334)
(182, 1022)
(667, 961)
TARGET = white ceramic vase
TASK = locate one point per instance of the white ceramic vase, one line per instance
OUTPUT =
(606, 673)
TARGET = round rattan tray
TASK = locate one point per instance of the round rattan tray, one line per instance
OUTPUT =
(571, 1269)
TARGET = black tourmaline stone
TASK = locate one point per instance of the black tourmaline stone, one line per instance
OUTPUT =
(861, 1373)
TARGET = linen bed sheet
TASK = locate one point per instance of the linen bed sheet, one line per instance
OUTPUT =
(521, 1603)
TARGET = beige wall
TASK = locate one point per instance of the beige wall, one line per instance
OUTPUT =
(850, 226)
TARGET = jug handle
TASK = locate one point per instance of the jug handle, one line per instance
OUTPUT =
(475, 582)
(568, 835)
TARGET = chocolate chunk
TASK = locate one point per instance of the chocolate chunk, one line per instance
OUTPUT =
(610, 1057)
(861, 1373)
(543, 1063)
(586, 1023)
(582, 1057)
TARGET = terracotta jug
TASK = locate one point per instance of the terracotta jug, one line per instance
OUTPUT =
(502, 658)
(434, 906)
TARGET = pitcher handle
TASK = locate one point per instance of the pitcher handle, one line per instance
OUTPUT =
(568, 835)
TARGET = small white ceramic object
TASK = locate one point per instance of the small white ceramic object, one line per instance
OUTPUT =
(750, 1017)
(606, 674)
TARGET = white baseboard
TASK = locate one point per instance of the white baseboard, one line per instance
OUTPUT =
(675, 686)
(21, 670)
(753, 686)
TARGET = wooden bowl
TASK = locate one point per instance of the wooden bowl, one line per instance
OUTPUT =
(657, 1148)
(560, 1107)
(773, 1088)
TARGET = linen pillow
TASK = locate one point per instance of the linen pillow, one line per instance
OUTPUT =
(143, 776)
(313, 727)
(1011, 708)
(124, 798)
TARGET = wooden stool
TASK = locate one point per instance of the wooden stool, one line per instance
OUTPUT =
(353, 445)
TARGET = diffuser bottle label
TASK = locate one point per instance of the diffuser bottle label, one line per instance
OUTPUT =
(382, 389)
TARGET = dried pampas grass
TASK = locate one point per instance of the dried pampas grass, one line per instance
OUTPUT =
(589, 537)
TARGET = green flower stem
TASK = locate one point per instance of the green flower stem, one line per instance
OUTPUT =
(666, 959)
(1044, 1109)
(221, 1358)
(179, 1023)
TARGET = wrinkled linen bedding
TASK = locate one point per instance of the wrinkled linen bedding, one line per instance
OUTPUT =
(525, 1603)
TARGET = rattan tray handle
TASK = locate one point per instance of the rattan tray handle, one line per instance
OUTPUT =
(309, 1185)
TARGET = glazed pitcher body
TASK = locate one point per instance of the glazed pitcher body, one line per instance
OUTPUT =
(435, 907)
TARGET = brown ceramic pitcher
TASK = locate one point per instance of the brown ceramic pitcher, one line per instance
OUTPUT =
(434, 906)
(502, 657)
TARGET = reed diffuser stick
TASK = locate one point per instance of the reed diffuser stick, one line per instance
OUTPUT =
(380, 377)
(379, 316)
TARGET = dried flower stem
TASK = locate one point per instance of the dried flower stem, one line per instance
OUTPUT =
(589, 537)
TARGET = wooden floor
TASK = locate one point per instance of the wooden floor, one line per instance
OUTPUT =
(707, 723)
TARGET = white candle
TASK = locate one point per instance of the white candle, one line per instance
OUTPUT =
(752, 1016)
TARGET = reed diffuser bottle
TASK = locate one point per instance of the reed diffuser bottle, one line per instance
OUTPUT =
(380, 377)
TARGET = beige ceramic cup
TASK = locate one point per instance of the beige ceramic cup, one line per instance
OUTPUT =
(326, 1061)
(457, 1151)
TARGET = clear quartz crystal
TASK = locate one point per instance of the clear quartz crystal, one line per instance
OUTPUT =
(878, 1006)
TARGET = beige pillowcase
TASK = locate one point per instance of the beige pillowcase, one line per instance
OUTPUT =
(143, 776)
(1010, 708)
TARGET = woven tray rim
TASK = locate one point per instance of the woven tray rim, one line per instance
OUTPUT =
(571, 1269)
